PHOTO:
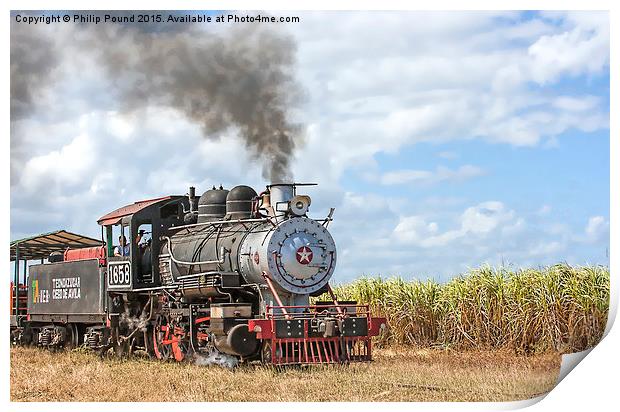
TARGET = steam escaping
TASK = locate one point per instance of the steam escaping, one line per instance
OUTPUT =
(216, 358)
(134, 322)
(236, 79)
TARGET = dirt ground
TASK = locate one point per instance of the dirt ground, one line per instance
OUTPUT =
(394, 375)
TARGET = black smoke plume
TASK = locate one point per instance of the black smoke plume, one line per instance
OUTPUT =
(33, 61)
(239, 78)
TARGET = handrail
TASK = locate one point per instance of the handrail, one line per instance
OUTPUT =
(220, 222)
(310, 315)
(361, 305)
(197, 275)
(333, 296)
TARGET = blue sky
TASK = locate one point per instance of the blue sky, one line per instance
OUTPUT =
(444, 140)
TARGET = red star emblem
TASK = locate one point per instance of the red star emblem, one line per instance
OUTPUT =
(304, 255)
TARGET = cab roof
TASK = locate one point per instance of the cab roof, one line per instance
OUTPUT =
(115, 216)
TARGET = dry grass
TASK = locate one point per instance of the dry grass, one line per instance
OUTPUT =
(490, 314)
(395, 375)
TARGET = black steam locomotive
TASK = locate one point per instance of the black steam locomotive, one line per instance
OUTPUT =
(226, 277)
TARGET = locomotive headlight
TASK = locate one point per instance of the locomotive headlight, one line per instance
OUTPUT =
(299, 205)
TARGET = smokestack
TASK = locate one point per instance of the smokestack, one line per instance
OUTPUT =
(280, 196)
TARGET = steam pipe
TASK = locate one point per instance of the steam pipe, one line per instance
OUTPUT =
(218, 290)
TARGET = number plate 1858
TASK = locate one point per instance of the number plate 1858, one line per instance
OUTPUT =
(119, 274)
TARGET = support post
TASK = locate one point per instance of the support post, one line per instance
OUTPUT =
(109, 240)
(16, 279)
(25, 269)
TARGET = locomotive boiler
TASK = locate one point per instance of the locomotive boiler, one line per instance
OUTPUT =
(297, 251)
(228, 276)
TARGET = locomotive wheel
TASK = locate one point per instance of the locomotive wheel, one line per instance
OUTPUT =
(170, 341)
(69, 339)
(76, 335)
(180, 348)
(161, 340)
(180, 342)
(72, 337)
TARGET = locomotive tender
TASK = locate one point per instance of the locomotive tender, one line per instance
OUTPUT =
(228, 276)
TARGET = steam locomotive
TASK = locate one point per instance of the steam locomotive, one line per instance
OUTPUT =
(227, 277)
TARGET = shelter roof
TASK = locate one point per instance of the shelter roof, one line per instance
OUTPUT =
(40, 246)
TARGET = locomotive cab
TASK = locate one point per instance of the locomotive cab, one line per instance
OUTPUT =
(142, 225)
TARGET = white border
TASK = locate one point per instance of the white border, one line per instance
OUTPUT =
(592, 385)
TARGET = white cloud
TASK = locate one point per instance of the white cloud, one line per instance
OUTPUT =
(581, 48)
(121, 126)
(415, 230)
(462, 173)
(378, 93)
(546, 249)
(477, 220)
(441, 174)
(406, 176)
(448, 155)
(573, 104)
(596, 228)
(67, 166)
(485, 217)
